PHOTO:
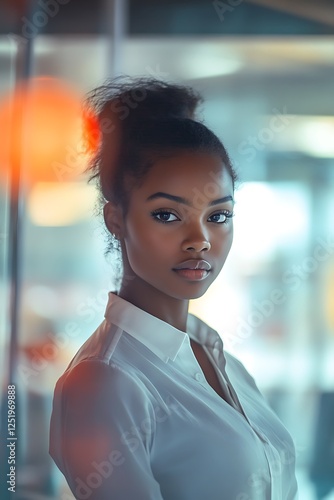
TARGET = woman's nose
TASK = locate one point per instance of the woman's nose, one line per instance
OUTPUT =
(197, 246)
(197, 242)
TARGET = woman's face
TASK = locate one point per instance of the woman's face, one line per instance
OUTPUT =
(181, 212)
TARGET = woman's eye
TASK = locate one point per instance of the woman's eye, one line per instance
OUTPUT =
(164, 216)
(221, 217)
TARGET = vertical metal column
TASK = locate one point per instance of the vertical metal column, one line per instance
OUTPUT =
(115, 27)
(23, 73)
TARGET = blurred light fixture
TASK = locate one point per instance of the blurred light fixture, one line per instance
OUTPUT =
(316, 136)
(209, 66)
(60, 203)
(183, 59)
(311, 135)
(199, 62)
(269, 217)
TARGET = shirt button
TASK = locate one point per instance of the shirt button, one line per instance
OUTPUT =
(198, 377)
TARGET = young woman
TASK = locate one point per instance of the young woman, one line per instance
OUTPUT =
(152, 407)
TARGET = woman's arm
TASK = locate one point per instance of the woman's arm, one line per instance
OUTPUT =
(106, 431)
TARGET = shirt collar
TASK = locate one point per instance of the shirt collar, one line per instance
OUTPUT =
(160, 337)
(203, 333)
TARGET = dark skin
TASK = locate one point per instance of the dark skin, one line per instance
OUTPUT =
(151, 248)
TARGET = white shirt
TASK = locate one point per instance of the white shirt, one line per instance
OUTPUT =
(135, 419)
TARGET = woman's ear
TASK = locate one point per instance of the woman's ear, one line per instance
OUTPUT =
(113, 219)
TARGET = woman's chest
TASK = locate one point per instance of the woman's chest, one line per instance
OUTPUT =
(207, 368)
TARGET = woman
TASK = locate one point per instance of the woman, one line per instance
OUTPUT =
(152, 407)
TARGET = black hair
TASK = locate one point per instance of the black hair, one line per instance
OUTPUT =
(140, 121)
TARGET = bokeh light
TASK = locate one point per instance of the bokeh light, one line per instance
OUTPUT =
(43, 123)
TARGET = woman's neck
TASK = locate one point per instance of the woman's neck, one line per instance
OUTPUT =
(169, 309)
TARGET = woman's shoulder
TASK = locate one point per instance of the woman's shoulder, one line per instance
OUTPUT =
(97, 378)
(93, 389)
(101, 344)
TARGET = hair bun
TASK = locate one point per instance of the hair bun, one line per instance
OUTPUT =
(163, 101)
(124, 106)
(124, 98)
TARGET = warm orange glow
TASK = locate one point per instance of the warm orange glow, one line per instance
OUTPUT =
(60, 204)
(92, 133)
(41, 127)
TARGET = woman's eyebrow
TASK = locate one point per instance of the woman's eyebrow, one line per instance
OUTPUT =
(179, 199)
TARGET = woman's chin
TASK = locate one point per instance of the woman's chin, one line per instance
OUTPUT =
(192, 294)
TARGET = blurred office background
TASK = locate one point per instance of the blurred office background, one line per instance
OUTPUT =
(266, 70)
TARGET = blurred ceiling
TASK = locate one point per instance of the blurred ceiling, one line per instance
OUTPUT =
(321, 11)
(296, 72)
(176, 17)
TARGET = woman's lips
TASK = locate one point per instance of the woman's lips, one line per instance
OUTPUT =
(193, 269)
(192, 274)
(194, 264)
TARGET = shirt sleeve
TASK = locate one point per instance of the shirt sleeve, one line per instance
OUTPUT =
(106, 432)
